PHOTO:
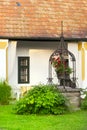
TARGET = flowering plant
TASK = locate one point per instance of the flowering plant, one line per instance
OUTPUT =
(60, 65)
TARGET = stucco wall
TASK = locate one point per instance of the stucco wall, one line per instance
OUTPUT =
(3, 60)
(2, 64)
(39, 53)
(82, 51)
(73, 47)
(85, 83)
(39, 61)
(12, 64)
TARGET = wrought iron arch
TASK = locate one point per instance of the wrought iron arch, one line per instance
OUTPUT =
(65, 55)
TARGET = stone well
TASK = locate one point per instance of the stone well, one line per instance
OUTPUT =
(73, 94)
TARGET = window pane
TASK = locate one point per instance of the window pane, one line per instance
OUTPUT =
(23, 78)
(23, 69)
(23, 62)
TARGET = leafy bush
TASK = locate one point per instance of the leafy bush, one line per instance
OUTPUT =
(84, 101)
(5, 92)
(42, 99)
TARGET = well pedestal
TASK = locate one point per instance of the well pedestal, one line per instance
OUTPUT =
(73, 94)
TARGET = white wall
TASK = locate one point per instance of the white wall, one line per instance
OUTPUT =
(12, 66)
(2, 64)
(73, 47)
(21, 51)
(39, 61)
(39, 53)
(79, 69)
(85, 82)
(3, 47)
(82, 82)
(38, 66)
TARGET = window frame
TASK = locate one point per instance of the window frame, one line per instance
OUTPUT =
(22, 67)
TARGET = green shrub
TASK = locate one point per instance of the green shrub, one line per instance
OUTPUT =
(5, 92)
(84, 101)
(42, 99)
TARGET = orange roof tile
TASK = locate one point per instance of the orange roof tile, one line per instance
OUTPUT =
(42, 18)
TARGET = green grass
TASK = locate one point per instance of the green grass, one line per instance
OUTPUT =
(74, 121)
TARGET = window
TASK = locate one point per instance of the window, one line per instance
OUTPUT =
(23, 69)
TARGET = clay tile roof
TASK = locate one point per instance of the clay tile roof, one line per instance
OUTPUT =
(42, 18)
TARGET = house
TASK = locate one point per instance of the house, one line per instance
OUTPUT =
(29, 33)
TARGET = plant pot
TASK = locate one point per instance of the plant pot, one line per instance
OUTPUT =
(60, 75)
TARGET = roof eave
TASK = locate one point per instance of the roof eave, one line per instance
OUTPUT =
(44, 39)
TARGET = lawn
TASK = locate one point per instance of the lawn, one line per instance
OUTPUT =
(74, 121)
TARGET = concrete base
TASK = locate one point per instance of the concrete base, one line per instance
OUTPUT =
(73, 94)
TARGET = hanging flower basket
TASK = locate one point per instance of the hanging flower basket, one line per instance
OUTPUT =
(59, 75)
(61, 68)
(62, 75)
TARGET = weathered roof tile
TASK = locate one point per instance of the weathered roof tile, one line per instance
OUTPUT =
(36, 18)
